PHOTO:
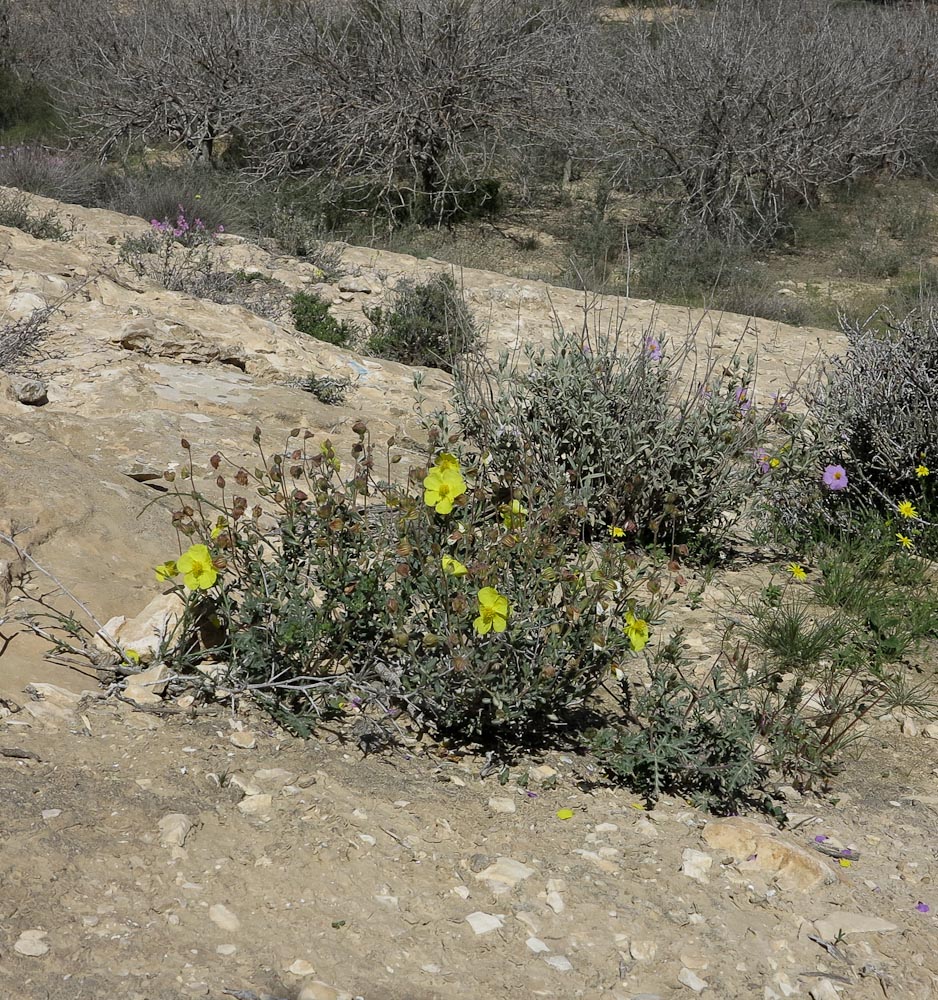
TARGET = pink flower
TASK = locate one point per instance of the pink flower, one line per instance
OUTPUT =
(835, 477)
(653, 349)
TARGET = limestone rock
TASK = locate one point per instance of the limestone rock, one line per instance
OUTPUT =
(844, 922)
(696, 865)
(147, 631)
(146, 686)
(30, 391)
(50, 703)
(759, 847)
(174, 829)
(504, 874)
(32, 943)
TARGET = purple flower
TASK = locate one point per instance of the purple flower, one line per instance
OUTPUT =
(820, 839)
(922, 907)
(742, 398)
(653, 349)
(780, 402)
(762, 460)
(219, 229)
(835, 477)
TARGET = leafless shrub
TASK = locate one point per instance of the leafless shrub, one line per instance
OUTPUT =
(422, 95)
(21, 339)
(744, 112)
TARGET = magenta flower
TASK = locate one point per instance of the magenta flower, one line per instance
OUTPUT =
(653, 349)
(922, 907)
(820, 839)
(835, 477)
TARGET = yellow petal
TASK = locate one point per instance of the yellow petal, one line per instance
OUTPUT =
(564, 814)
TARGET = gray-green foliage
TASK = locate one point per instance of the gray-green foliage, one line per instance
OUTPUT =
(348, 599)
(660, 448)
(17, 213)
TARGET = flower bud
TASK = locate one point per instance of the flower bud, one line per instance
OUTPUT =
(215, 460)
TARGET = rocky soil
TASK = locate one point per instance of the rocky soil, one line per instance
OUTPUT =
(196, 850)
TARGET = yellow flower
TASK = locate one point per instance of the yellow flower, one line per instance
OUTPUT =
(220, 525)
(493, 611)
(904, 540)
(131, 656)
(797, 571)
(845, 863)
(564, 814)
(636, 629)
(196, 565)
(615, 531)
(774, 463)
(922, 471)
(441, 487)
(166, 571)
(453, 566)
(906, 509)
(447, 462)
(513, 514)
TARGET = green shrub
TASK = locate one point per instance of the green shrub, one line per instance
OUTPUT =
(15, 211)
(646, 438)
(428, 323)
(484, 620)
(311, 316)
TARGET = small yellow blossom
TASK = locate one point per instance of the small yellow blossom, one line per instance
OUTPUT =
(220, 525)
(636, 630)
(774, 463)
(441, 487)
(615, 531)
(845, 863)
(564, 814)
(906, 509)
(453, 566)
(903, 540)
(514, 514)
(196, 565)
(797, 571)
(131, 656)
(166, 571)
(922, 471)
(447, 462)
(493, 611)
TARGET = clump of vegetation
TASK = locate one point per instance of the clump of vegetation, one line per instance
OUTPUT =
(300, 237)
(311, 316)
(51, 173)
(427, 323)
(16, 212)
(483, 620)
(641, 437)
(329, 389)
(21, 339)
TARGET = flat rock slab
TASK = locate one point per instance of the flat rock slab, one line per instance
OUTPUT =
(759, 847)
(841, 922)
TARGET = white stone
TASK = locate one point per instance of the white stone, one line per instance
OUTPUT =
(643, 950)
(536, 945)
(146, 686)
(843, 922)
(32, 943)
(226, 949)
(559, 962)
(224, 918)
(174, 828)
(484, 923)
(243, 740)
(696, 865)
(301, 968)
(505, 874)
(256, 805)
(503, 805)
(692, 981)
(823, 989)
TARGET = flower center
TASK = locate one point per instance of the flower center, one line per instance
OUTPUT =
(443, 489)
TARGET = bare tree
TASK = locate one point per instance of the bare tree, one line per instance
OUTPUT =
(757, 106)
(186, 71)
(421, 93)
